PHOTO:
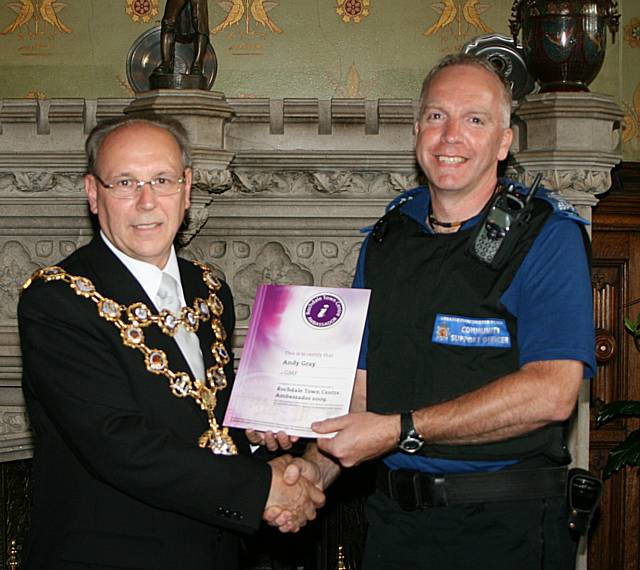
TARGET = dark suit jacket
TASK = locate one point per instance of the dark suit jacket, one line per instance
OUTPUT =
(118, 477)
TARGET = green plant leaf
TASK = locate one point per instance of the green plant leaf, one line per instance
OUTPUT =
(616, 409)
(630, 326)
(625, 453)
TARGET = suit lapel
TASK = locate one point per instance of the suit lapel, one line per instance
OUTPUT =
(192, 287)
(112, 279)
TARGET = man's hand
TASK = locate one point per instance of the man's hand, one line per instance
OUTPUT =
(272, 441)
(293, 499)
(360, 436)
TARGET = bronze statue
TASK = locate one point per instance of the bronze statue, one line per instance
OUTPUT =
(184, 21)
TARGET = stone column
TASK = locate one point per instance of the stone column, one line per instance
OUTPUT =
(203, 114)
(574, 140)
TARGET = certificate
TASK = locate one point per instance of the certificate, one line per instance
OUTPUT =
(299, 359)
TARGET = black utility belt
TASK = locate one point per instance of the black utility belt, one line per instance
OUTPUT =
(414, 490)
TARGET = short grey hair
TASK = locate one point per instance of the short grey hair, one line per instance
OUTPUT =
(100, 132)
(476, 61)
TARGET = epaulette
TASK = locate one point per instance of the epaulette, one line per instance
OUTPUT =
(560, 205)
(395, 203)
(402, 198)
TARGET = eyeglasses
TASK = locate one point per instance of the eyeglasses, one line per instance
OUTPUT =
(131, 187)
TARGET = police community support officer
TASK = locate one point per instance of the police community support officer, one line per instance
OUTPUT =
(469, 371)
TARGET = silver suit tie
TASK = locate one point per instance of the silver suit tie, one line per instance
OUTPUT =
(168, 298)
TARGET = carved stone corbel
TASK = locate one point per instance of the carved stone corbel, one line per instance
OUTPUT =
(573, 139)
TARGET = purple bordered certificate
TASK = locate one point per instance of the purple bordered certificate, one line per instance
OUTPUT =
(299, 358)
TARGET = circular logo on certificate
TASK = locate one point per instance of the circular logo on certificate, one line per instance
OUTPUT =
(324, 310)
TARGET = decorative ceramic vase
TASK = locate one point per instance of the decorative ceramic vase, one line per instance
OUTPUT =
(564, 41)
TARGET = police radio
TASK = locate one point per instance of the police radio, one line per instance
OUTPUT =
(584, 491)
(508, 211)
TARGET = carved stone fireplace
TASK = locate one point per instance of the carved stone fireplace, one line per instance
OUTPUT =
(281, 190)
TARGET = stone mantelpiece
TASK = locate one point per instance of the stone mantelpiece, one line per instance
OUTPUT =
(305, 176)
(281, 188)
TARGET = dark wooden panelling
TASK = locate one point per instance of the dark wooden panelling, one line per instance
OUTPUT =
(614, 541)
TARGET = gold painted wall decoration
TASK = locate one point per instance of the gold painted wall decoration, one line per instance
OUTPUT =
(352, 10)
(632, 33)
(631, 131)
(352, 87)
(247, 12)
(456, 15)
(247, 23)
(34, 16)
(142, 10)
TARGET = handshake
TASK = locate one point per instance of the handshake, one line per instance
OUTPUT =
(298, 484)
(296, 493)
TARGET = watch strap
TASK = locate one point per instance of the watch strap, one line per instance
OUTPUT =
(406, 425)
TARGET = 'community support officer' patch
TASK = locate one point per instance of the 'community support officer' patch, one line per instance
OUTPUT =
(464, 331)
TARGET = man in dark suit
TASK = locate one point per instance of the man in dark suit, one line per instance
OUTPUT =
(131, 468)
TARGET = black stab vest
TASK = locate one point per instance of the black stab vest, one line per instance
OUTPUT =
(413, 275)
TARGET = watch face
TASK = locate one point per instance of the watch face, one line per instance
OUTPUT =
(410, 445)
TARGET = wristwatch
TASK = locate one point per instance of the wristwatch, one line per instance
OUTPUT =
(410, 440)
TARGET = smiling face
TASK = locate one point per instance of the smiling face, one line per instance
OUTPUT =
(145, 226)
(461, 135)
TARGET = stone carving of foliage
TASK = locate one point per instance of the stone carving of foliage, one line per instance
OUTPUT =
(401, 182)
(338, 182)
(38, 181)
(588, 181)
(6, 182)
(265, 182)
(301, 183)
(69, 182)
(33, 181)
(335, 182)
(272, 265)
(342, 274)
(15, 267)
(214, 181)
(379, 186)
